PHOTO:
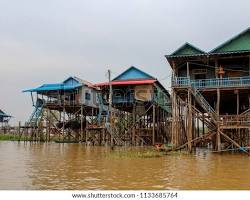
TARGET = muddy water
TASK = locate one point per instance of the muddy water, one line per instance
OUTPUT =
(74, 166)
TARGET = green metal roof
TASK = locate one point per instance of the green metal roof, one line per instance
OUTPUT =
(187, 50)
(237, 44)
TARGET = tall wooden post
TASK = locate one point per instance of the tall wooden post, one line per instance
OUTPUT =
(249, 64)
(110, 109)
(86, 133)
(238, 112)
(63, 133)
(173, 125)
(188, 74)
(238, 102)
(203, 124)
(81, 135)
(153, 135)
(134, 124)
(19, 131)
(218, 138)
(190, 122)
(47, 124)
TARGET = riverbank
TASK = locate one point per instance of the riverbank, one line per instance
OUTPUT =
(11, 137)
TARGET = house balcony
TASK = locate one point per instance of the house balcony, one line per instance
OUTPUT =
(234, 121)
(183, 82)
(61, 102)
(119, 99)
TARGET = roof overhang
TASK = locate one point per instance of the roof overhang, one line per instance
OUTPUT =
(127, 82)
(53, 87)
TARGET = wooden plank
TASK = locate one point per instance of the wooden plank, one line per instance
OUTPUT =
(232, 141)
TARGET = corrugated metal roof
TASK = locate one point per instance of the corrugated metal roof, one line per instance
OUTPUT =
(53, 87)
(68, 84)
(3, 114)
(128, 82)
(238, 43)
(84, 82)
(133, 73)
(187, 50)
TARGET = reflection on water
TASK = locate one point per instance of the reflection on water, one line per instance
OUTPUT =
(74, 166)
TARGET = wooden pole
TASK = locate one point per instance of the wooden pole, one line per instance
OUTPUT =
(173, 125)
(81, 135)
(153, 135)
(47, 124)
(63, 133)
(203, 124)
(110, 109)
(238, 110)
(134, 126)
(249, 64)
(19, 131)
(190, 122)
(218, 138)
(238, 101)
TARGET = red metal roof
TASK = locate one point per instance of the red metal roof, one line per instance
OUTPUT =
(128, 82)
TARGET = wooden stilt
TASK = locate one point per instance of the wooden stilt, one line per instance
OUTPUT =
(153, 135)
(218, 139)
(190, 127)
(81, 131)
(134, 124)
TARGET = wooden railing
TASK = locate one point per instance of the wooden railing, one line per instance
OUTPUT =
(234, 120)
(62, 102)
(211, 83)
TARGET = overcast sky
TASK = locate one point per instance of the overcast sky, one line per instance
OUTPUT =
(48, 40)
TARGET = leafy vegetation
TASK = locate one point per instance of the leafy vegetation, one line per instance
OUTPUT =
(149, 153)
(11, 137)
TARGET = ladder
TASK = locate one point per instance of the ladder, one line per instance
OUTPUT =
(36, 114)
(209, 124)
(204, 104)
(104, 113)
(114, 133)
(103, 110)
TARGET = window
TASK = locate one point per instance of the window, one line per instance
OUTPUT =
(199, 76)
(87, 96)
(199, 71)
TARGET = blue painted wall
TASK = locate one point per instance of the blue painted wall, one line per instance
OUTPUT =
(133, 73)
(71, 81)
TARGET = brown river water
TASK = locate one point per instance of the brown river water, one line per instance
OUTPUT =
(75, 166)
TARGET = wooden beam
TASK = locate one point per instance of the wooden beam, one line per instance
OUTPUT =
(173, 124)
(249, 64)
(238, 102)
(218, 139)
(188, 74)
(231, 140)
(153, 135)
(190, 122)
(134, 124)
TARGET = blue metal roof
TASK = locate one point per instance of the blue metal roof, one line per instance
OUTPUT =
(53, 87)
(69, 84)
(2, 114)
